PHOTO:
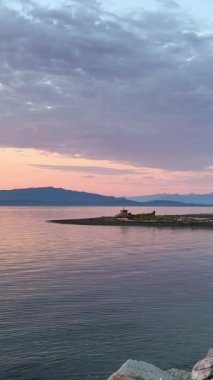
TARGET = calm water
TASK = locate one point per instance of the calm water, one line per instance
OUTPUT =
(78, 301)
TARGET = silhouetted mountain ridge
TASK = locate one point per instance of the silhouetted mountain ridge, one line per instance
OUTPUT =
(59, 196)
(203, 199)
(50, 196)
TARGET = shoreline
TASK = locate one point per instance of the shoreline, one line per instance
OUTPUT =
(176, 221)
(140, 370)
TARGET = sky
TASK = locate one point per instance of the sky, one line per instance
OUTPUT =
(112, 97)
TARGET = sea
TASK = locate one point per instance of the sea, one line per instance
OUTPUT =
(76, 302)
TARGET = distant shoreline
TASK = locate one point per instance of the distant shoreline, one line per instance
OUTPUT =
(104, 205)
(51, 196)
(188, 220)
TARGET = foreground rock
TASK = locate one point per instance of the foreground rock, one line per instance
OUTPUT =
(139, 370)
(180, 374)
(135, 370)
(204, 368)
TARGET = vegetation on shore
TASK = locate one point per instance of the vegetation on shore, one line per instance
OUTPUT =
(125, 218)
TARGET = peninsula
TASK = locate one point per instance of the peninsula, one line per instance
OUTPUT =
(126, 218)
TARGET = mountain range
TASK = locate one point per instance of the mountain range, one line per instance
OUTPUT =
(50, 196)
(203, 199)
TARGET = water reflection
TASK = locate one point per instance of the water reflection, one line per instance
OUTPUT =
(94, 295)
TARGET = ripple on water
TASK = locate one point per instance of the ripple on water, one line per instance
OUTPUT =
(78, 301)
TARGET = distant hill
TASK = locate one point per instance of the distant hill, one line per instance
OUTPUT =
(201, 199)
(49, 196)
(164, 203)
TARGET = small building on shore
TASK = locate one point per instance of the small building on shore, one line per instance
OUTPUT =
(123, 214)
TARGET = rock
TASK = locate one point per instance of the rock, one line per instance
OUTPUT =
(180, 374)
(135, 370)
(204, 368)
(120, 377)
(210, 353)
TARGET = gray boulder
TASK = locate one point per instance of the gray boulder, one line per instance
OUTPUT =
(180, 374)
(210, 353)
(139, 370)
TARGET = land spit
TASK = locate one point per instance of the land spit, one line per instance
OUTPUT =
(125, 218)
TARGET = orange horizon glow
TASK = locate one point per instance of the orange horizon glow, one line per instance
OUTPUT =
(22, 168)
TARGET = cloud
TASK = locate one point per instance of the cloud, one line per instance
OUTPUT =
(86, 169)
(168, 4)
(78, 80)
(88, 176)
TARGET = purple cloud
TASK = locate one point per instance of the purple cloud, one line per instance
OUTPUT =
(136, 88)
(87, 169)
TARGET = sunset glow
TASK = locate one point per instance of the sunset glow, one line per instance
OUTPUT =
(106, 97)
(22, 168)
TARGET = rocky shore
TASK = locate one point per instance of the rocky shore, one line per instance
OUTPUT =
(139, 370)
(144, 220)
